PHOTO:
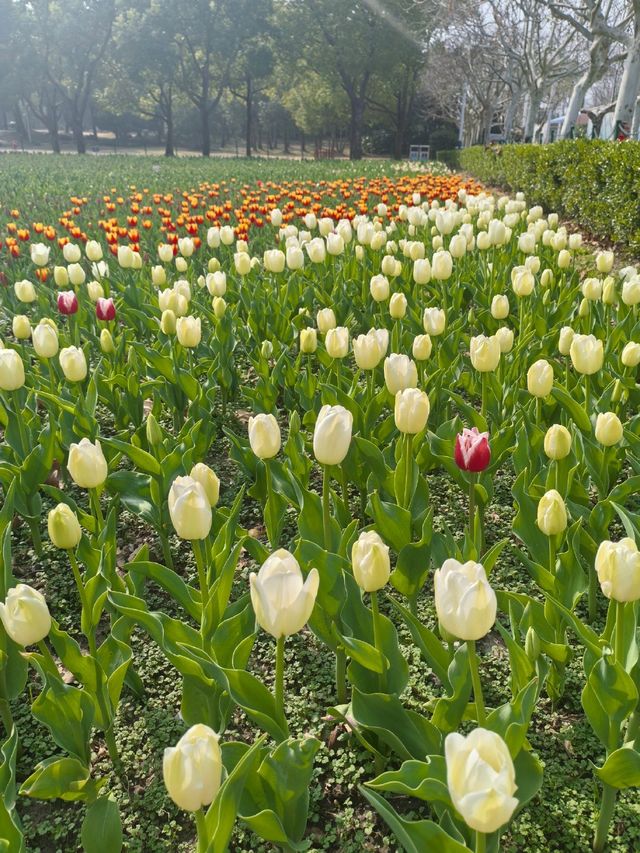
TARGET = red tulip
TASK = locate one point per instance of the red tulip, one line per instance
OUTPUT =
(67, 302)
(472, 452)
(105, 309)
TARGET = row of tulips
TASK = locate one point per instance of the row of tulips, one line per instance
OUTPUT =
(456, 377)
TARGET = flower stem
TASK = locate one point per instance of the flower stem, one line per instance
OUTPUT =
(607, 805)
(267, 469)
(619, 641)
(475, 680)
(279, 692)
(97, 510)
(408, 469)
(377, 632)
(341, 676)
(587, 394)
(199, 554)
(326, 507)
(472, 506)
(552, 554)
(201, 827)
(481, 842)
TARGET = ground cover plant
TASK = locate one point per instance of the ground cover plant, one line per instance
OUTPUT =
(320, 513)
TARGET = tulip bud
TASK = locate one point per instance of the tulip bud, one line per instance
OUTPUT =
(93, 251)
(308, 340)
(188, 331)
(39, 254)
(604, 262)
(540, 378)
(618, 569)
(411, 410)
(219, 307)
(337, 342)
(153, 431)
(557, 442)
(105, 309)
(209, 481)
(45, 340)
(95, 290)
(631, 354)
(609, 295)
(332, 435)
(61, 276)
(472, 451)
(434, 321)
(264, 436)
(552, 513)
(242, 263)
(189, 508)
(398, 306)
(481, 779)
(370, 559)
(592, 289)
(564, 259)
(282, 600)
(422, 347)
(366, 351)
(609, 429)
(11, 370)
(587, 354)
(400, 372)
(465, 601)
(273, 260)
(21, 327)
(325, 320)
(77, 275)
(192, 769)
(25, 615)
(316, 250)
(87, 465)
(500, 307)
(63, 526)
(485, 353)
(504, 336)
(67, 302)
(546, 279)
(168, 322)
(379, 288)
(73, 363)
(532, 645)
(421, 271)
(631, 291)
(106, 342)
(25, 291)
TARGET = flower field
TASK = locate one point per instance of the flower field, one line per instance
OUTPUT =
(320, 513)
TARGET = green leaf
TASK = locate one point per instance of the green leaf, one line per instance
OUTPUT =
(608, 697)
(102, 828)
(621, 769)
(572, 407)
(61, 778)
(426, 780)
(415, 836)
(221, 814)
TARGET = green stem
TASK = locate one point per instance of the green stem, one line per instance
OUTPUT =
(485, 390)
(279, 693)
(481, 842)
(199, 554)
(408, 469)
(201, 828)
(377, 632)
(475, 680)
(619, 641)
(593, 594)
(97, 510)
(552, 554)
(538, 411)
(341, 676)
(607, 805)
(587, 394)
(326, 507)
(371, 385)
(345, 491)
(267, 470)
(472, 506)
(24, 441)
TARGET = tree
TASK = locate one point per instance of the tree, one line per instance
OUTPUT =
(70, 40)
(142, 70)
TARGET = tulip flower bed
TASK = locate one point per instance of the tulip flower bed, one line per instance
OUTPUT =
(320, 516)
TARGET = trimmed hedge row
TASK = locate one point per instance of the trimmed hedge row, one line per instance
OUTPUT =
(592, 182)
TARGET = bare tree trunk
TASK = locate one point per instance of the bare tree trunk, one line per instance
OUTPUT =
(628, 91)
(355, 129)
(635, 125)
(77, 127)
(205, 129)
(510, 114)
(532, 114)
(249, 100)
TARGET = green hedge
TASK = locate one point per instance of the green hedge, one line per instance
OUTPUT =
(594, 183)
